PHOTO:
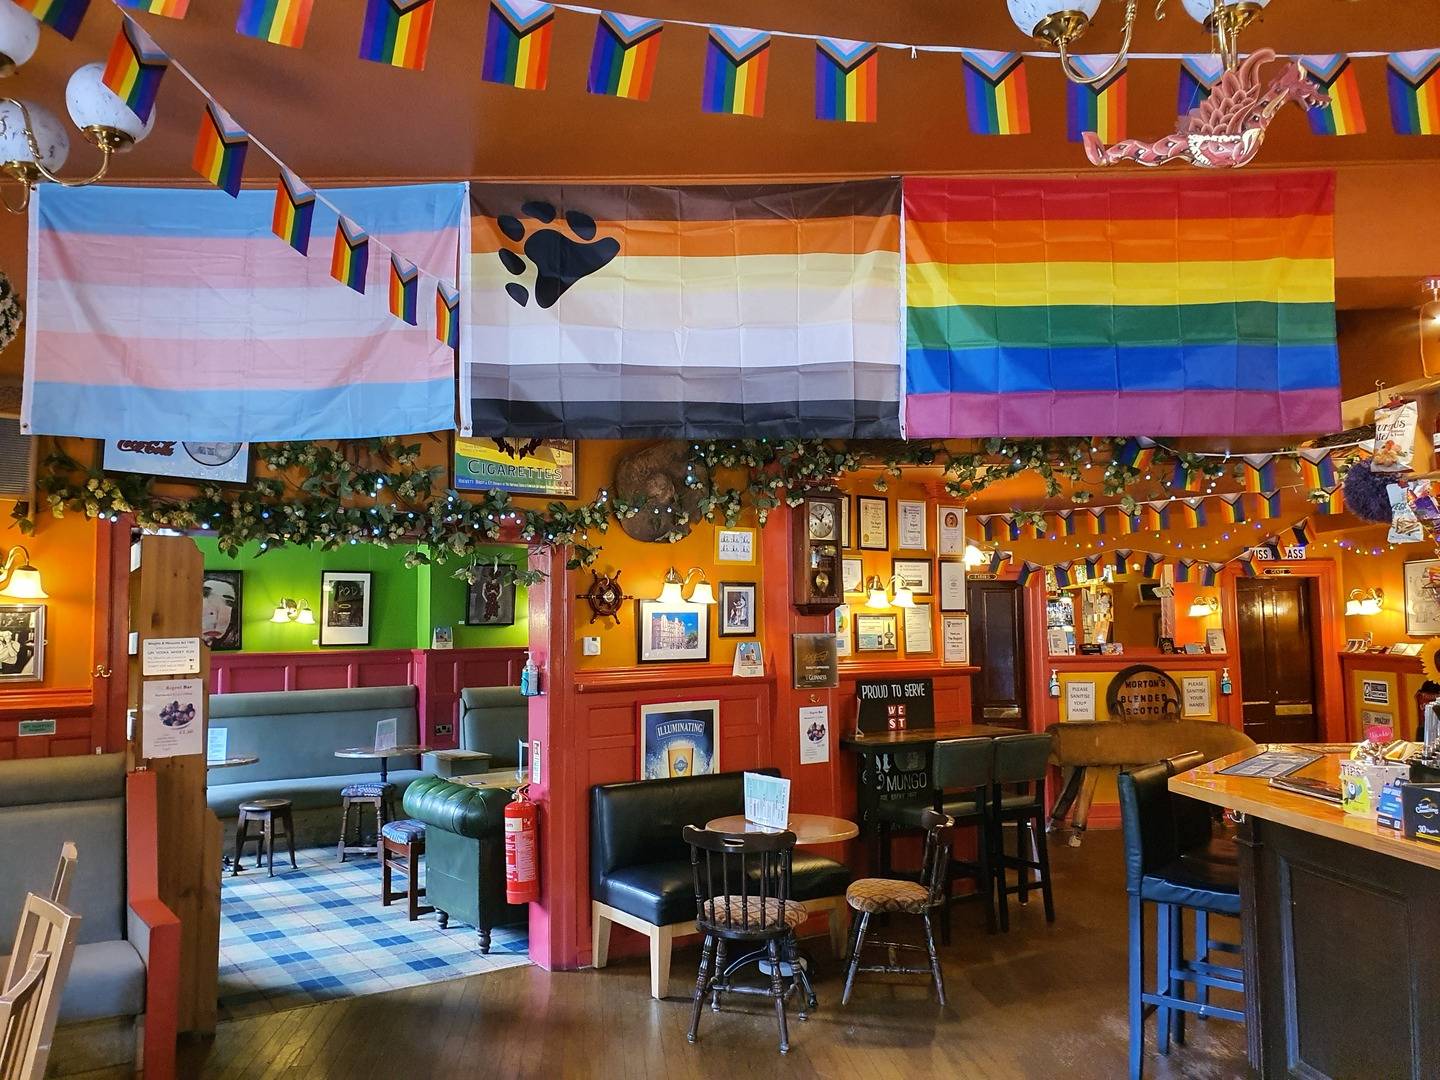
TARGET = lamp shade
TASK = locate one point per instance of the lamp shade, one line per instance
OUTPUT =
(1200, 10)
(671, 593)
(282, 613)
(1199, 609)
(878, 597)
(306, 616)
(974, 556)
(703, 594)
(1369, 606)
(903, 597)
(93, 104)
(24, 584)
(1028, 14)
(19, 34)
(50, 134)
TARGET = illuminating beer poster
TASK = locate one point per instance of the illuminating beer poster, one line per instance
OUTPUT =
(679, 738)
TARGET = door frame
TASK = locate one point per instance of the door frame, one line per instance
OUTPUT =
(1330, 684)
(1024, 645)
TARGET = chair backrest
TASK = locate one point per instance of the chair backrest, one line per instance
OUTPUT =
(64, 874)
(936, 859)
(21, 1016)
(47, 930)
(748, 870)
(962, 764)
(1021, 758)
(1194, 820)
(1147, 815)
(493, 720)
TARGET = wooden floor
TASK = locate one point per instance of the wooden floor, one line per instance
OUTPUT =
(1039, 1002)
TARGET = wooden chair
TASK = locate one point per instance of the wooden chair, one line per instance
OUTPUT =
(30, 1004)
(402, 845)
(742, 894)
(64, 874)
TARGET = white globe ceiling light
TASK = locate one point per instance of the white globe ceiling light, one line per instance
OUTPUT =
(1225, 19)
(19, 36)
(21, 119)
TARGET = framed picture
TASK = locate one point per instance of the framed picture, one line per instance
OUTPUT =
(952, 585)
(210, 462)
(914, 574)
(221, 609)
(911, 534)
(671, 633)
(919, 631)
(528, 466)
(950, 538)
(1422, 598)
(22, 642)
(737, 608)
(846, 539)
(875, 633)
(814, 658)
(735, 546)
(679, 738)
(852, 575)
(490, 598)
(872, 520)
(842, 630)
(955, 637)
(345, 607)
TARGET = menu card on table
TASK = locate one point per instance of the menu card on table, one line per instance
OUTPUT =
(767, 801)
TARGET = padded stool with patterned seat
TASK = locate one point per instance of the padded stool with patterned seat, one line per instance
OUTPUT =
(263, 813)
(378, 796)
(402, 843)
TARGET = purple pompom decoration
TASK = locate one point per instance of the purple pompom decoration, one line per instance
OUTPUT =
(1365, 494)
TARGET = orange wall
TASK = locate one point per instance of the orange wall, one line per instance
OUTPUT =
(63, 550)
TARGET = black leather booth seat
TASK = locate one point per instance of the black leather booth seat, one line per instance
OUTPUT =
(640, 863)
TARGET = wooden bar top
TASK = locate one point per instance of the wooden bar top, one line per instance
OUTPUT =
(1253, 795)
(920, 736)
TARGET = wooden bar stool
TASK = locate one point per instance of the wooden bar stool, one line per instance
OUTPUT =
(402, 843)
(357, 797)
(263, 813)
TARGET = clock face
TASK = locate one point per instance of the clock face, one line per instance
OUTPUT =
(822, 521)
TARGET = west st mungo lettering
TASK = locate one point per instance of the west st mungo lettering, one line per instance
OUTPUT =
(1142, 692)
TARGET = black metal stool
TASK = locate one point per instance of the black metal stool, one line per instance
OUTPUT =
(263, 812)
(356, 797)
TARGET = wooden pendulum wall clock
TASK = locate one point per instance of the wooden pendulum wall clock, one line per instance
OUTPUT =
(815, 538)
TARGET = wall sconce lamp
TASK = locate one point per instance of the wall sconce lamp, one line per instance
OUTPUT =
(673, 591)
(1365, 602)
(880, 598)
(22, 581)
(975, 556)
(1202, 607)
(296, 611)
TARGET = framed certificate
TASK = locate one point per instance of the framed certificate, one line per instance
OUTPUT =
(952, 585)
(951, 531)
(872, 517)
(910, 525)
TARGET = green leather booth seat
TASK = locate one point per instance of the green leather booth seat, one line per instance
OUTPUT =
(464, 852)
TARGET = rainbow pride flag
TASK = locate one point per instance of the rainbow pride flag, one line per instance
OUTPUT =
(997, 100)
(447, 315)
(1181, 304)
(294, 211)
(350, 257)
(1184, 570)
(1334, 74)
(627, 48)
(1183, 478)
(171, 9)
(1333, 503)
(1317, 469)
(1099, 106)
(1414, 92)
(280, 22)
(397, 32)
(134, 69)
(517, 44)
(1199, 72)
(1232, 509)
(220, 150)
(847, 74)
(1268, 506)
(736, 63)
(1260, 474)
(62, 16)
(1150, 564)
(1210, 573)
(172, 313)
(404, 289)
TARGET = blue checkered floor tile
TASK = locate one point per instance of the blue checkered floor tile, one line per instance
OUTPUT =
(319, 932)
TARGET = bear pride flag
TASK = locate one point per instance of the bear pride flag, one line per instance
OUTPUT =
(1176, 305)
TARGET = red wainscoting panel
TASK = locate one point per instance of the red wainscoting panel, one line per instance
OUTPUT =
(442, 673)
(73, 712)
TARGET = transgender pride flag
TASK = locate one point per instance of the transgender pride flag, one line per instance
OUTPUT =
(163, 314)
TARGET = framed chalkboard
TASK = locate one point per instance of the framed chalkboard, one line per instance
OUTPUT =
(894, 704)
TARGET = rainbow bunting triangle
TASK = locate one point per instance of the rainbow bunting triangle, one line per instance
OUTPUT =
(847, 74)
(517, 44)
(294, 211)
(404, 289)
(622, 64)
(220, 149)
(1260, 473)
(134, 69)
(350, 258)
(1414, 92)
(997, 98)
(62, 16)
(1232, 509)
(1199, 72)
(397, 32)
(1333, 503)
(1335, 75)
(280, 22)
(736, 63)
(447, 314)
(171, 9)
(1183, 569)
(1151, 563)
(1317, 469)
(1210, 572)
(1099, 106)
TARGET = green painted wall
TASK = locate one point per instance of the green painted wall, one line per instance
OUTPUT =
(406, 603)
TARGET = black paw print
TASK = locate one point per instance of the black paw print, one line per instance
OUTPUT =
(559, 259)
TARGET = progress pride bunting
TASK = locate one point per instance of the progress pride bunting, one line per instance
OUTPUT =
(1193, 305)
(164, 314)
(683, 312)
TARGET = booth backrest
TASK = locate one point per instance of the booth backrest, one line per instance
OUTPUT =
(493, 720)
(295, 733)
(45, 802)
(640, 822)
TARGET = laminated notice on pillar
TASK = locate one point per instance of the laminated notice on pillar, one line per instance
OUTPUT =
(1080, 700)
(1195, 696)
(170, 656)
(173, 717)
(814, 735)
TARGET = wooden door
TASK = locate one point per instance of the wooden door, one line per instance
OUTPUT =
(1277, 659)
(997, 646)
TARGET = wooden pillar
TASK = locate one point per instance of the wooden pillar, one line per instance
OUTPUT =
(165, 583)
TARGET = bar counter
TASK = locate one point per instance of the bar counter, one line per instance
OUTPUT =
(1339, 918)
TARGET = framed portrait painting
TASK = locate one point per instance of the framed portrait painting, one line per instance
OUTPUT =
(221, 609)
(737, 609)
(490, 598)
(345, 607)
(22, 643)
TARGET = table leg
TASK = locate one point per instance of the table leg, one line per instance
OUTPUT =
(384, 770)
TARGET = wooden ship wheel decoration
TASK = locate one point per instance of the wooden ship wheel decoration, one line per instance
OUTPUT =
(605, 596)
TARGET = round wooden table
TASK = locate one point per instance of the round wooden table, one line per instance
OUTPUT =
(383, 755)
(808, 828)
(233, 762)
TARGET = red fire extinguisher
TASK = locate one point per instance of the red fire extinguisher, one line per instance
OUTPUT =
(522, 864)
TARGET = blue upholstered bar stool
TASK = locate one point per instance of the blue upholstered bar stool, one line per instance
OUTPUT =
(402, 845)
(380, 797)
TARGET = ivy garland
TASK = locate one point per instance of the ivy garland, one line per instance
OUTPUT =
(375, 491)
